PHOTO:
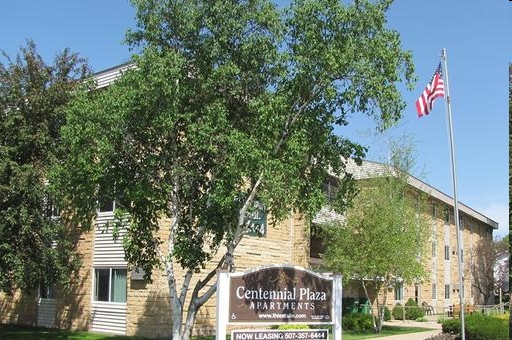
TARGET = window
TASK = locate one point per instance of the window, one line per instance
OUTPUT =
(110, 201)
(434, 291)
(399, 291)
(46, 290)
(110, 285)
(446, 291)
(434, 249)
(434, 209)
(51, 210)
(330, 189)
(107, 205)
(447, 252)
(446, 216)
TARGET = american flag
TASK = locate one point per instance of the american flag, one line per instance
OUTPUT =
(434, 89)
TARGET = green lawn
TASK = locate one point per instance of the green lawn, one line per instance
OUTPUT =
(28, 333)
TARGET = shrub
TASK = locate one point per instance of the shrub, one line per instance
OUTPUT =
(357, 322)
(398, 312)
(478, 326)
(291, 327)
(387, 314)
(451, 326)
(413, 311)
(483, 327)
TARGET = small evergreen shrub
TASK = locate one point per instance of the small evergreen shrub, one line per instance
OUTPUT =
(413, 311)
(387, 314)
(484, 327)
(357, 322)
(398, 312)
(451, 326)
(478, 326)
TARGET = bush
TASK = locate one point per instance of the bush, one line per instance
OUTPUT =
(483, 327)
(398, 312)
(291, 327)
(387, 314)
(357, 322)
(413, 311)
(451, 326)
(478, 326)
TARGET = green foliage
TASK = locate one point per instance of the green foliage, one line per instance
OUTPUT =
(230, 103)
(451, 326)
(291, 327)
(478, 326)
(398, 312)
(33, 97)
(229, 100)
(357, 322)
(387, 314)
(413, 311)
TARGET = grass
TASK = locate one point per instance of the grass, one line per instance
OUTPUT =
(386, 331)
(13, 332)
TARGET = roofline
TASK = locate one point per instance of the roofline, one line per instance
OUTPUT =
(426, 188)
(107, 77)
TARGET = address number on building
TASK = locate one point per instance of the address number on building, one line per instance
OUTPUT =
(306, 334)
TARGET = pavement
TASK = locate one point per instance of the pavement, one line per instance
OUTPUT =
(432, 327)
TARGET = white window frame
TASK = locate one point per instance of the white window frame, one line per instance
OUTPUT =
(96, 287)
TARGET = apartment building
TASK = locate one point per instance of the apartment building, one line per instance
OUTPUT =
(110, 296)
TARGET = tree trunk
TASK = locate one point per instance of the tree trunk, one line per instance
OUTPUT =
(177, 315)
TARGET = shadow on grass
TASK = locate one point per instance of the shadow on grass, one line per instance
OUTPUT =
(14, 332)
(386, 331)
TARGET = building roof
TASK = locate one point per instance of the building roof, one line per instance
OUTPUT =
(370, 169)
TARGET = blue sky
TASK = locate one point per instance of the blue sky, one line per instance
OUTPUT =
(475, 33)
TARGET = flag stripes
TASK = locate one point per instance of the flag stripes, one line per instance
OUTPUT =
(434, 89)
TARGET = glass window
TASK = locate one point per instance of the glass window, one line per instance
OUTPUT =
(51, 210)
(446, 216)
(434, 249)
(106, 205)
(46, 290)
(118, 286)
(447, 252)
(434, 291)
(110, 285)
(399, 292)
(447, 291)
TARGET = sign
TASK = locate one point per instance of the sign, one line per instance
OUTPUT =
(280, 294)
(265, 334)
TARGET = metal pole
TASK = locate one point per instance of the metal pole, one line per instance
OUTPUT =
(455, 199)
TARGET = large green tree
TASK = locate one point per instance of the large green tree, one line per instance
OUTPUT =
(381, 242)
(232, 106)
(33, 95)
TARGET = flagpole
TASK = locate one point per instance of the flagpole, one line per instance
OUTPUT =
(454, 184)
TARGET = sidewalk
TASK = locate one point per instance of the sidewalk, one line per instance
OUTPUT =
(432, 328)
